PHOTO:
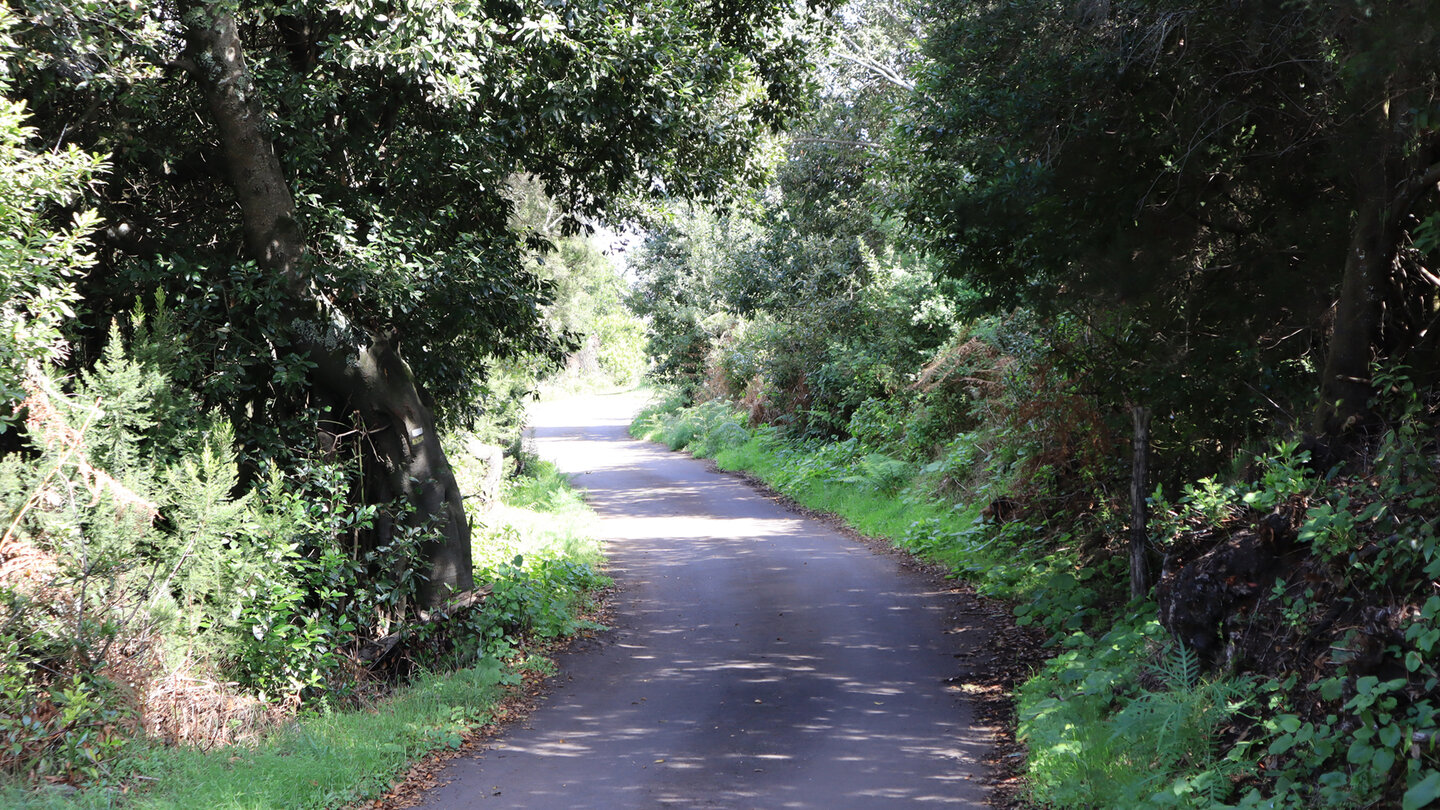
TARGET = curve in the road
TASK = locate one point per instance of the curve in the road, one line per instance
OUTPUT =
(759, 659)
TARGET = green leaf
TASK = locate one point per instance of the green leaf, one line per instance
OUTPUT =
(1423, 793)
(1390, 736)
(1372, 511)
(1331, 688)
(1281, 744)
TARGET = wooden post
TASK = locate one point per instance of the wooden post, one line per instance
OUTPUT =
(1139, 566)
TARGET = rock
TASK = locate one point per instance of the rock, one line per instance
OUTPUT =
(1199, 595)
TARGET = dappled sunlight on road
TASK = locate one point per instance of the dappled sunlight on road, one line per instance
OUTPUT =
(720, 530)
(759, 660)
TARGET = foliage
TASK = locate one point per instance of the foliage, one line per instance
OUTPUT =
(806, 302)
(321, 760)
(682, 268)
(115, 572)
(1375, 536)
(1094, 212)
(1349, 687)
(1139, 164)
(113, 578)
(1321, 765)
(805, 357)
(1125, 721)
(881, 473)
(598, 108)
(705, 430)
(39, 262)
(588, 290)
(620, 341)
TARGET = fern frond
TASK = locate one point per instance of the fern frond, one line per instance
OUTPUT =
(1181, 668)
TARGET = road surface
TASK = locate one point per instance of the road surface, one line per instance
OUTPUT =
(758, 659)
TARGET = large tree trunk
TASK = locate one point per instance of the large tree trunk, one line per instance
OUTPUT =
(1139, 537)
(1345, 389)
(1393, 175)
(364, 374)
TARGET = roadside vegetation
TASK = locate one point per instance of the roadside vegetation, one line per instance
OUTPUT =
(329, 731)
(1125, 310)
(1082, 301)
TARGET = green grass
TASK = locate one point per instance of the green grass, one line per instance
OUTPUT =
(542, 517)
(873, 512)
(335, 758)
(320, 761)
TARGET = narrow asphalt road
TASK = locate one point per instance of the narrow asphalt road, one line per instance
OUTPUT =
(758, 659)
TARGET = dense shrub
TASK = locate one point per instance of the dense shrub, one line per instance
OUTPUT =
(134, 563)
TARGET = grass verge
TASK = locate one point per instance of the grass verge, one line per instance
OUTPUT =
(1117, 718)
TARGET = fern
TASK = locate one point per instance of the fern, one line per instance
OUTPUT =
(1172, 729)
(881, 473)
(1180, 669)
(1097, 738)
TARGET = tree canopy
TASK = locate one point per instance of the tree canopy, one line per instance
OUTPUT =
(1205, 168)
(368, 145)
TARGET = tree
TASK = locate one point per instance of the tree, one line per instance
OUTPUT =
(1181, 176)
(367, 146)
(38, 262)
(684, 271)
(807, 301)
(1387, 78)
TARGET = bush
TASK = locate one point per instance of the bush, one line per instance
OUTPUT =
(128, 558)
(1125, 721)
(705, 429)
(38, 262)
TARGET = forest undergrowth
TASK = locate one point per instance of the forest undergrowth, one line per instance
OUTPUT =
(167, 642)
(1286, 657)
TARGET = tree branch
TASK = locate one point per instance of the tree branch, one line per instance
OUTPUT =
(873, 66)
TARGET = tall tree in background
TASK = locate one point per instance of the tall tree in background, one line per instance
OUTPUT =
(319, 189)
(808, 303)
(1191, 178)
(1386, 75)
